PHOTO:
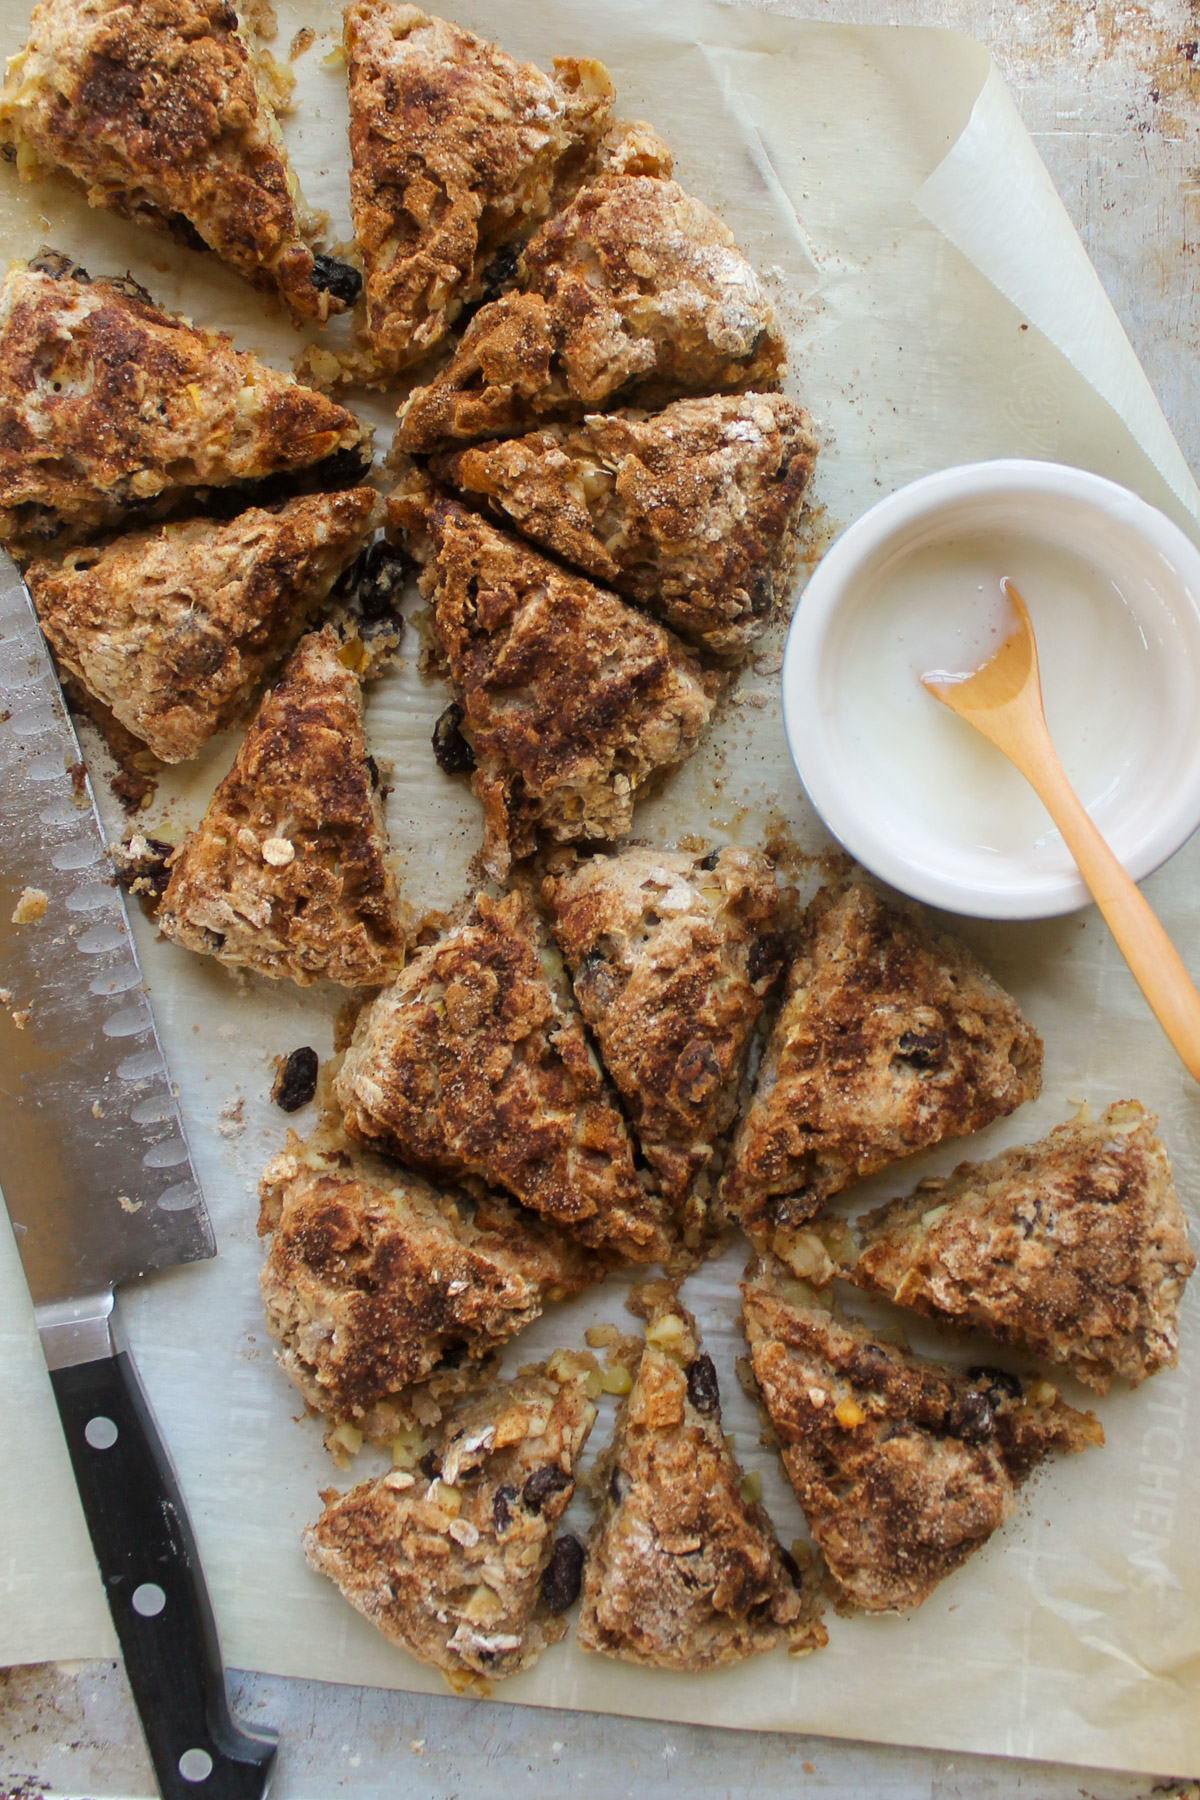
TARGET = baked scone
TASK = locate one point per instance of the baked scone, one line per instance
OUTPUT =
(903, 1466)
(376, 1282)
(635, 293)
(474, 1063)
(109, 405)
(458, 1563)
(691, 511)
(173, 628)
(672, 957)
(1075, 1248)
(159, 109)
(683, 1571)
(456, 149)
(888, 1040)
(570, 700)
(287, 872)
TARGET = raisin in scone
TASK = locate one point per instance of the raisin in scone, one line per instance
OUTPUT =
(1075, 1248)
(109, 405)
(457, 1562)
(682, 1571)
(672, 957)
(691, 511)
(376, 1282)
(456, 149)
(903, 1466)
(474, 1062)
(287, 873)
(162, 113)
(173, 628)
(889, 1039)
(634, 293)
(570, 700)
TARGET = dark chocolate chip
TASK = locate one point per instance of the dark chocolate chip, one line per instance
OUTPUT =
(453, 752)
(923, 1049)
(702, 1388)
(564, 1573)
(766, 959)
(542, 1484)
(341, 281)
(503, 1501)
(430, 1464)
(1001, 1379)
(711, 860)
(972, 1416)
(498, 273)
(296, 1082)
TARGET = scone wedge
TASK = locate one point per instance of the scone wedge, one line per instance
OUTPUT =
(173, 628)
(160, 111)
(474, 1064)
(456, 150)
(903, 1466)
(457, 1562)
(109, 405)
(683, 1571)
(672, 957)
(1074, 1249)
(634, 293)
(692, 511)
(888, 1040)
(571, 701)
(377, 1284)
(287, 873)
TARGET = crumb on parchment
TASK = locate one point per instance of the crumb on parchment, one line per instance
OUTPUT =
(31, 907)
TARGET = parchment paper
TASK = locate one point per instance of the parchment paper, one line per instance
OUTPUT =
(939, 309)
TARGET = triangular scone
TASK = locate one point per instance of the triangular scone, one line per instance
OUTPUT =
(456, 149)
(691, 511)
(902, 1466)
(287, 873)
(376, 1282)
(1075, 1248)
(474, 1062)
(683, 1571)
(457, 1563)
(888, 1040)
(570, 700)
(158, 108)
(111, 405)
(173, 628)
(635, 292)
(672, 957)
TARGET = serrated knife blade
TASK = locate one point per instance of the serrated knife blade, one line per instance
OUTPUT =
(98, 1180)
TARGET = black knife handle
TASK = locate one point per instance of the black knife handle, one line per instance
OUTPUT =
(155, 1587)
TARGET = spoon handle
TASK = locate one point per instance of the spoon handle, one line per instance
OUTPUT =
(1156, 964)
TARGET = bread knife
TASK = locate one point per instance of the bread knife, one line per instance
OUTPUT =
(100, 1189)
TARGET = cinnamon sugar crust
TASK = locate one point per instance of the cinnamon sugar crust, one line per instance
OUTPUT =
(1075, 1248)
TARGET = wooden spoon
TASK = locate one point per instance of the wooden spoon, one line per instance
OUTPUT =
(1003, 701)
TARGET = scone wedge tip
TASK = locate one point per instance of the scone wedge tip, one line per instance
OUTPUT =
(457, 1562)
(902, 1466)
(683, 1569)
(1074, 1249)
(288, 872)
(161, 112)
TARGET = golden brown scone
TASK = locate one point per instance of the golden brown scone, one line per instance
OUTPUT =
(683, 1571)
(456, 149)
(287, 872)
(888, 1040)
(1075, 1248)
(570, 701)
(109, 405)
(159, 110)
(457, 1562)
(672, 957)
(635, 292)
(376, 1282)
(902, 1466)
(475, 1063)
(691, 511)
(173, 628)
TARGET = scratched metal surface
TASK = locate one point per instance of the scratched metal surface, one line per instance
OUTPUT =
(1109, 91)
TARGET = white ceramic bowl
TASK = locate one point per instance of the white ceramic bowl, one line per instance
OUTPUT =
(1043, 509)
